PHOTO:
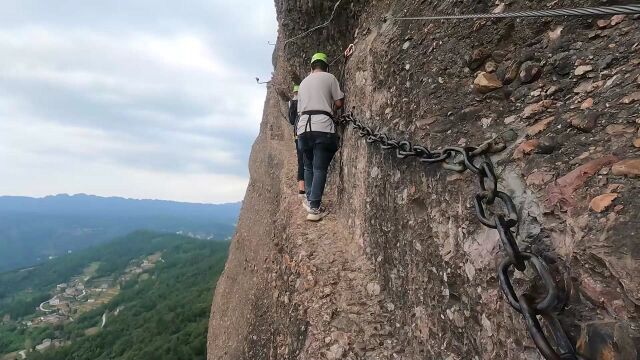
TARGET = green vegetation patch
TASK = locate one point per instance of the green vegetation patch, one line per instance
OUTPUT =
(162, 315)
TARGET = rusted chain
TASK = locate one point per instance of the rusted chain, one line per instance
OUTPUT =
(494, 209)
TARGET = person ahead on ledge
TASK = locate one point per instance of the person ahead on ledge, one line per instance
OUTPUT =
(293, 120)
(318, 95)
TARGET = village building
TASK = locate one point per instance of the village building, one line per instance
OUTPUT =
(53, 319)
(73, 291)
(46, 344)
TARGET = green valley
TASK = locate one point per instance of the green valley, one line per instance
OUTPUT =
(142, 296)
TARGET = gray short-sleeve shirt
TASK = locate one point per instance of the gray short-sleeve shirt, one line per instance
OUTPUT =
(318, 92)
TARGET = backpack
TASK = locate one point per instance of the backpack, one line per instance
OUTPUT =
(293, 112)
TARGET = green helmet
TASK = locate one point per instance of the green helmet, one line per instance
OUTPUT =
(296, 88)
(320, 57)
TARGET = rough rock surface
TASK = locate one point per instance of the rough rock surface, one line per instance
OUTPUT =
(487, 82)
(401, 269)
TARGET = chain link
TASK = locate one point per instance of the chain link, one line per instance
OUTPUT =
(504, 220)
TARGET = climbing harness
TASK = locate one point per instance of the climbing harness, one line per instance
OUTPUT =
(587, 11)
(310, 113)
(477, 160)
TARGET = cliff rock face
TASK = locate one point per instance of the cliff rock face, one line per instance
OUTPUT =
(401, 268)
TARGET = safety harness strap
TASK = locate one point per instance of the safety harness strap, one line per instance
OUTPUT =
(309, 113)
(317, 112)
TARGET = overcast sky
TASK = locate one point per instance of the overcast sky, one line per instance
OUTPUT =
(134, 98)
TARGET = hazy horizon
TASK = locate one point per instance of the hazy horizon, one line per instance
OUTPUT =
(117, 197)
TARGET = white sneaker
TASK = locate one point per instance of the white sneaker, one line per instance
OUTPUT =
(316, 214)
(302, 196)
(306, 205)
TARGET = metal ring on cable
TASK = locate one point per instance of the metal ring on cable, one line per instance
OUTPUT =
(350, 49)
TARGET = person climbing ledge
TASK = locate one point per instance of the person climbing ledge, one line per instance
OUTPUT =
(319, 93)
(293, 120)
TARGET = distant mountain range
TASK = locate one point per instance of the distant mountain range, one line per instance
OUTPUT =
(34, 229)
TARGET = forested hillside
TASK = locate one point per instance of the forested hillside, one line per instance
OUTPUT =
(34, 229)
(161, 288)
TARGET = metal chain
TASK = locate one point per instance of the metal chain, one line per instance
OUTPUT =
(504, 219)
(587, 11)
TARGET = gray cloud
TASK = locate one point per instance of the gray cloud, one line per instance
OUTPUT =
(104, 97)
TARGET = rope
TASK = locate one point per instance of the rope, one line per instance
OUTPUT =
(325, 24)
(587, 11)
(335, 60)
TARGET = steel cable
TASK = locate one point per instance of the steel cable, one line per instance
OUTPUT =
(587, 11)
(325, 24)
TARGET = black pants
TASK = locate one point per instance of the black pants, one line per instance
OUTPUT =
(318, 149)
(300, 162)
